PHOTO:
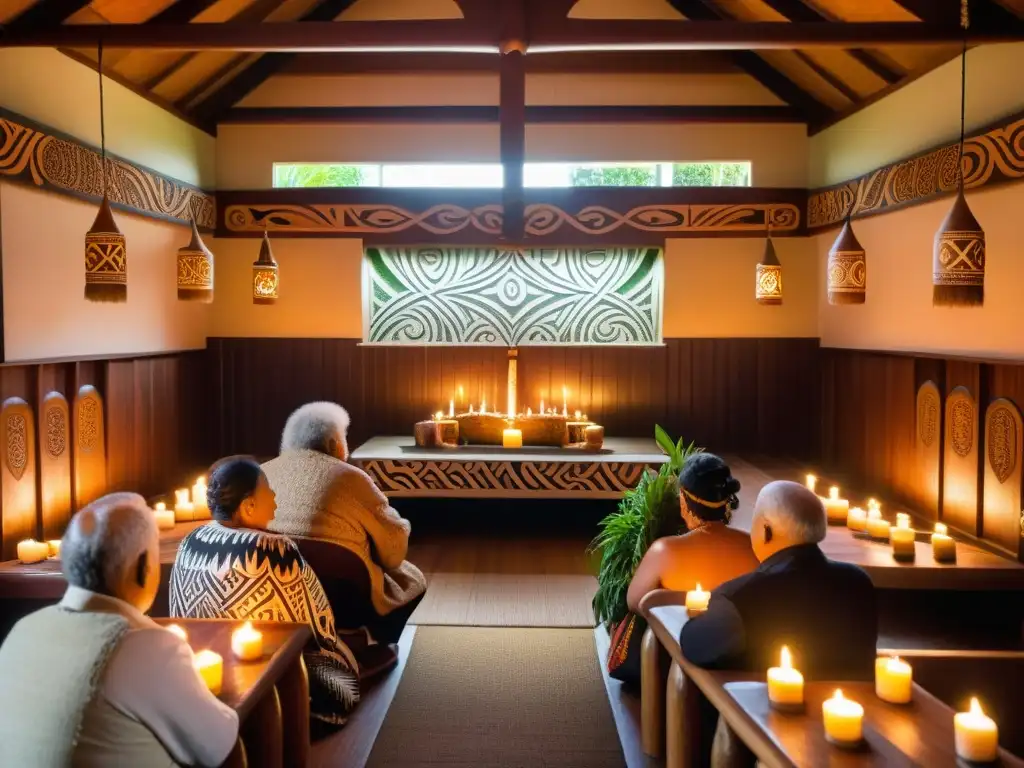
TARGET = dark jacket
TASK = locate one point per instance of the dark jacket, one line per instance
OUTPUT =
(823, 610)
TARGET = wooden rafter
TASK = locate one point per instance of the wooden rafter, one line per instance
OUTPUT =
(983, 13)
(181, 11)
(44, 14)
(512, 114)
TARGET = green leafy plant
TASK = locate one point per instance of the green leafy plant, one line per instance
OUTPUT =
(645, 514)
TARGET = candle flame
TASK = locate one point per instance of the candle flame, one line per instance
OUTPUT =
(838, 695)
(874, 513)
(976, 707)
(438, 416)
(941, 529)
(873, 504)
(698, 587)
(542, 405)
(833, 492)
(201, 480)
(812, 481)
(785, 660)
(529, 411)
(578, 414)
(483, 406)
(451, 408)
(160, 506)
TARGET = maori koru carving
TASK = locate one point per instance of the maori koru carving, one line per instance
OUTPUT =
(961, 426)
(88, 424)
(1002, 442)
(412, 478)
(927, 416)
(17, 444)
(56, 431)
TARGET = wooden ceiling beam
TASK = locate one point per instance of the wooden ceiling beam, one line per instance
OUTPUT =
(983, 13)
(512, 115)
(584, 35)
(181, 11)
(46, 13)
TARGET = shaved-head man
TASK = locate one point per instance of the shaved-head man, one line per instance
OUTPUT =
(822, 610)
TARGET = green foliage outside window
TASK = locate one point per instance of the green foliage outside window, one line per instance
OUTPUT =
(711, 175)
(317, 175)
(615, 176)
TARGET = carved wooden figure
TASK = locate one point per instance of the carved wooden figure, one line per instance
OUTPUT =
(55, 464)
(960, 462)
(927, 434)
(18, 475)
(1003, 510)
(90, 446)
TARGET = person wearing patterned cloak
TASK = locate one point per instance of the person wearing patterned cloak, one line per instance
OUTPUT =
(234, 568)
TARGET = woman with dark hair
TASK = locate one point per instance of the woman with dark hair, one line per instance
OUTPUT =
(233, 568)
(710, 552)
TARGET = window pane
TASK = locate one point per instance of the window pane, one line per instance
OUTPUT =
(476, 175)
(325, 175)
(636, 174)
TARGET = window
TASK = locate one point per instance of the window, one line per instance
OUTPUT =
(491, 175)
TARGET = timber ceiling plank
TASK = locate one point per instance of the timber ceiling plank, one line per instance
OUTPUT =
(45, 13)
(987, 13)
(181, 11)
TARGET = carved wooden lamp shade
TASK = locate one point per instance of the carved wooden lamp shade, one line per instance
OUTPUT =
(768, 289)
(195, 270)
(106, 255)
(958, 261)
(847, 268)
(264, 275)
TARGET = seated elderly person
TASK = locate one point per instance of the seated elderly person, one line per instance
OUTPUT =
(321, 496)
(92, 681)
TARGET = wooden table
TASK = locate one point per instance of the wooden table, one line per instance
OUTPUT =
(401, 469)
(920, 734)
(271, 696)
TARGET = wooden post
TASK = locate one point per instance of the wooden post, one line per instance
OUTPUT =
(652, 696)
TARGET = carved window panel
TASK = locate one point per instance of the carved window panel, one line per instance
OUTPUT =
(960, 462)
(89, 446)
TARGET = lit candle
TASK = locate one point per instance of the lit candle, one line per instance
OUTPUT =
(529, 411)
(210, 667)
(835, 508)
(483, 405)
(201, 509)
(438, 416)
(470, 409)
(184, 511)
(873, 504)
(812, 483)
(976, 735)
(697, 601)
(876, 527)
(177, 629)
(893, 680)
(451, 409)
(247, 643)
(857, 520)
(542, 405)
(579, 415)
(32, 551)
(512, 438)
(902, 519)
(164, 517)
(54, 546)
(785, 684)
(565, 401)
(843, 720)
(943, 545)
(902, 539)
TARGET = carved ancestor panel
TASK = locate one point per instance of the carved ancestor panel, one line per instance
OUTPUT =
(31, 154)
(18, 474)
(504, 479)
(993, 157)
(1003, 511)
(90, 449)
(960, 462)
(928, 424)
(55, 464)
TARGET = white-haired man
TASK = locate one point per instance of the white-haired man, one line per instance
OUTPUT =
(823, 611)
(321, 496)
(92, 681)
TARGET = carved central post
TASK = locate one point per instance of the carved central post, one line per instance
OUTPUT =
(513, 353)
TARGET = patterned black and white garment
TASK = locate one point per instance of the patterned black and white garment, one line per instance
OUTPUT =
(240, 573)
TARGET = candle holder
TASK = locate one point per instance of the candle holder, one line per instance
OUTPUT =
(853, 746)
(788, 708)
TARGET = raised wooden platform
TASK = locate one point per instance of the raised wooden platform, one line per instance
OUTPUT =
(401, 469)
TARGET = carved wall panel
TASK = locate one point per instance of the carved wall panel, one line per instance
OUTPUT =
(55, 464)
(18, 474)
(960, 462)
(1003, 510)
(90, 448)
(928, 425)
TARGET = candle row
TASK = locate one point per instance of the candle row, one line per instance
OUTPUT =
(246, 645)
(32, 551)
(511, 412)
(902, 536)
(976, 735)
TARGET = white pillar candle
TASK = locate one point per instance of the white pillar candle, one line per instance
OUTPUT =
(844, 719)
(512, 438)
(184, 511)
(697, 601)
(857, 519)
(835, 508)
(201, 509)
(976, 735)
(894, 680)
(812, 483)
(902, 538)
(54, 546)
(943, 545)
(32, 551)
(210, 667)
(876, 527)
(451, 409)
(785, 684)
(247, 643)
(164, 517)
(177, 629)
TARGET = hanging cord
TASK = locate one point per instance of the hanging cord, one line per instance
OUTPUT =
(103, 126)
(965, 22)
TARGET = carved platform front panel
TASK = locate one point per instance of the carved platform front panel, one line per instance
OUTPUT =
(55, 464)
(960, 462)
(90, 447)
(927, 429)
(1003, 521)
(507, 479)
(18, 475)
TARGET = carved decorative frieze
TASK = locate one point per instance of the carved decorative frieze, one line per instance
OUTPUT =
(928, 413)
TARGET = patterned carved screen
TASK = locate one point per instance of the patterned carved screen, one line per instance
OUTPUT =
(512, 297)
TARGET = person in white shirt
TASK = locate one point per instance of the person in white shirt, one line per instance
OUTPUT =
(93, 681)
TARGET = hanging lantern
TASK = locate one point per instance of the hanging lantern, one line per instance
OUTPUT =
(264, 275)
(768, 289)
(958, 260)
(847, 268)
(106, 257)
(106, 261)
(195, 270)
